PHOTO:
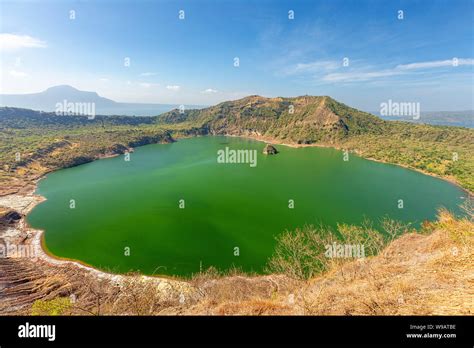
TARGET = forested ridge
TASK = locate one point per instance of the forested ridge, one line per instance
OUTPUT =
(33, 143)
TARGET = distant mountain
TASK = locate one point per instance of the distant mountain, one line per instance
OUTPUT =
(47, 100)
(305, 119)
(464, 118)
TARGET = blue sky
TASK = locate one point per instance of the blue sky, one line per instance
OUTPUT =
(191, 61)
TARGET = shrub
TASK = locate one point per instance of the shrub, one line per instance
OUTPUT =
(56, 306)
(305, 252)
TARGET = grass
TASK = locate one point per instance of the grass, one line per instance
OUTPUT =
(414, 274)
(426, 272)
(404, 271)
(45, 142)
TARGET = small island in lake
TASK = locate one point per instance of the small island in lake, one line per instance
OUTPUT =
(270, 150)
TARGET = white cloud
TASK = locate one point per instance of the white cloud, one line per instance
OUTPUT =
(313, 67)
(209, 91)
(173, 87)
(145, 84)
(402, 69)
(12, 42)
(148, 74)
(16, 73)
(103, 79)
(358, 76)
(436, 64)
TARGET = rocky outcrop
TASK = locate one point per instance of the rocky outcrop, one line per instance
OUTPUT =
(160, 138)
(118, 149)
(76, 161)
(9, 216)
(270, 150)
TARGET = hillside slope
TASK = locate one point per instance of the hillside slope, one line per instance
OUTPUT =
(443, 151)
(440, 150)
(428, 273)
(416, 274)
(33, 143)
(305, 119)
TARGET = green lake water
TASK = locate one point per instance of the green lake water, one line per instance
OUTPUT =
(136, 204)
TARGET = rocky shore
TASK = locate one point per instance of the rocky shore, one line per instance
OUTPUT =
(24, 264)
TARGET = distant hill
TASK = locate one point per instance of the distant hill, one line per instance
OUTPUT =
(440, 150)
(47, 100)
(305, 119)
(464, 118)
(11, 117)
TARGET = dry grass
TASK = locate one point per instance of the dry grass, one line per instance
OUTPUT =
(431, 273)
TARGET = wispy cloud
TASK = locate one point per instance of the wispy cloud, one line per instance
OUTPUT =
(209, 91)
(312, 67)
(13, 42)
(173, 87)
(401, 69)
(358, 76)
(148, 74)
(436, 64)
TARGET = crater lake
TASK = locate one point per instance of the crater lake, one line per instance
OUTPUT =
(174, 209)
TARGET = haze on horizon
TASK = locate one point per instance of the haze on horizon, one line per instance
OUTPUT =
(362, 53)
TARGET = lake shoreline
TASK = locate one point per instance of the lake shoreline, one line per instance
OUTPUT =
(274, 141)
(38, 240)
(23, 234)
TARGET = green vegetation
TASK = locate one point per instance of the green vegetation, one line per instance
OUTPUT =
(308, 251)
(56, 306)
(443, 151)
(387, 284)
(303, 253)
(299, 120)
(46, 142)
(439, 150)
(34, 143)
